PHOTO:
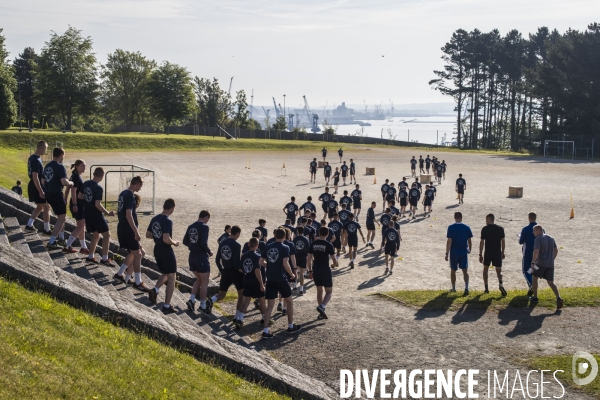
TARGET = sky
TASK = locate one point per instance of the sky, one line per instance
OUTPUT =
(329, 50)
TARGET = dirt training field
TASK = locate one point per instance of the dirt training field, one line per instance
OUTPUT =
(366, 332)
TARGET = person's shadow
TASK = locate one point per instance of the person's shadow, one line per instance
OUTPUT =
(436, 307)
(472, 310)
(520, 309)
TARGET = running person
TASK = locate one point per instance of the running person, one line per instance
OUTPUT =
(319, 254)
(313, 170)
(421, 165)
(461, 186)
(403, 196)
(228, 260)
(492, 238)
(356, 200)
(94, 212)
(428, 199)
(391, 244)
(414, 195)
(413, 166)
(352, 171)
(340, 153)
(371, 224)
(55, 178)
(160, 230)
(458, 247)
(324, 199)
(76, 207)
(327, 173)
(291, 210)
(336, 179)
(344, 168)
(353, 229)
(196, 240)
(301, 243)
(35, 189)
(276, 261)
(427, 163)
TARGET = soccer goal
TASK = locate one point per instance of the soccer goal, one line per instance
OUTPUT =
(559, 148)
(506, 213)
(117, 178)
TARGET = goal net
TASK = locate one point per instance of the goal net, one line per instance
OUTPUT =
(559, 148)
(118, 177)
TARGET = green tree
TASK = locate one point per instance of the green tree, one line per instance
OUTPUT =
(24, 67)
(280, 123)
(171, 95)
(125, 92)
(241, 113)
(213, 103)
(8, 85)
(67, 76)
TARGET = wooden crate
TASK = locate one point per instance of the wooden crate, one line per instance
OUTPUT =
(515, 191)
(370, 171)
(320, 164)
(425, 179)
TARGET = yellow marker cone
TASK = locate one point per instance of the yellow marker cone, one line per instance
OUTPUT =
(431, 226)
(561, 247)
(578, 261)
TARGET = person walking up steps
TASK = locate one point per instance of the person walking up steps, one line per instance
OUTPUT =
(353, 229)
(35, 189)
(76, 207)
(492, 239)
(228, 258)
(55, 178)
(254, 281)
(461, 186)
(319, 254)
(458, 247)
(161, 230)
(544, 254)
(313, 170)
(302, 243)
(391, 244)
(196, 240)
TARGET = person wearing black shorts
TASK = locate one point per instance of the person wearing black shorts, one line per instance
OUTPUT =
(344, 168)
(276, 262)
(332, 207)
(356, 200)
(384, 190)
(301, 243)
(414, 194)
(324, 199)
(254, 281)
(439, 171)
(313, 170)
(160, 230)
(352, 171)
(324, 154)
(403, 197)
(391, 244)
(421, 165)
(371, 225)
(228, 260)
(427, 163)
(428, 200)
(336, 180)
(391, 193)
(444, 166)
(461, 186)
(327, 173)
(291, 210)
(196, 240)
(55, 178)
(352, 230)
(413, 166)
(76, 207)
(336, 228)
(35, 189)
(492, 240)
(340, 153)
(319, 254)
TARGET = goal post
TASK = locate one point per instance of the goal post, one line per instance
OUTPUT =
(117, 178)
(559, 148)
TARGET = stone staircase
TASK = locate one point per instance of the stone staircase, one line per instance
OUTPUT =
(90, 286)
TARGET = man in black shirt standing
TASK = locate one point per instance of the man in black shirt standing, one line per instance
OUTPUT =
(384, 190)
(391, 244)
(313, 170)
(413, 166)
(371, 224)
(352, 171)
(291, 210)
(319, 254)
(327, 172)
(461, 186)
(196, 240)
(324, 154)
(340, 153)
(421, 165)
(492, 239)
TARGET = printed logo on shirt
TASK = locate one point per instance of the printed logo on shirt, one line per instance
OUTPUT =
(120, 204)
(335, 228)
(391, 236)
(193, 235)
(156, 230)
(248, 265)
(226, 253)
(331, 204)
(291, 209)
(273, 255)
(48, 174)
(299, 245)
(87, 195)
(351, 228)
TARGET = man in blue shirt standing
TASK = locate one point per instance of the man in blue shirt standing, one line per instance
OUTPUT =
(458, 247)
(527, 239)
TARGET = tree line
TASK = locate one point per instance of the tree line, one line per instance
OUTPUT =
(65, 87)
(513, 92)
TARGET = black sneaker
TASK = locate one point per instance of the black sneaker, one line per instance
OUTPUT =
(234, 321)
(486, 291)
(279, 307)
(466, 292)
(266, 336)
(152, 295)
(322, 312)
(53, 246)
(534, 299)
(301, 292)
(168, 310)
(209, 305)
(239, 324)
(351, 264)
(107, 262)
(191, 305)
(502, 290)
(61, 242)
(205, 310)
(142, 286)
(295, 329)
(47, 233)
(271, 322)
(30, 229)
(391, 271)
(559, 303)
(386, 270)
(530, 292)
(119, 278)
(284, 312)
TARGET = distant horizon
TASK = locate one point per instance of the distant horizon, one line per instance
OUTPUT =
(352, 51)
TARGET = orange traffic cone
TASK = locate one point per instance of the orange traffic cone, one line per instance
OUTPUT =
(375, 180)
(572, 213)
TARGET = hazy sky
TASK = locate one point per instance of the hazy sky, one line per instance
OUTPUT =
(327, 50)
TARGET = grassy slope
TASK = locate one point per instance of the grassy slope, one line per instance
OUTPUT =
(442, 299)
(51, 350)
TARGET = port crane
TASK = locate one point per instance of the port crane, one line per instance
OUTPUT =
(311, 117)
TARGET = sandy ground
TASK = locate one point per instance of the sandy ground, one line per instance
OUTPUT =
(367, 332)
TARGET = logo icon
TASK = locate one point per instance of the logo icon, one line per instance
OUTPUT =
(581, 367)
(351, 228)
(273, 255)
(48, 174)
(156, 230)
(120, 203)
(335, 228)
(226, 253)
(248, 266)
(300, 245)
(291, 209)
(391, 236)
(87, 195)
(194, 235)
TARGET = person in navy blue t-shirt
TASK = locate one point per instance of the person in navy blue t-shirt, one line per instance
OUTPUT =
(76, 207)
(254, 279)
(461, 186)
(301, 243)
(55, 178)
(327, 172)
(324, 199)
(196, 240)
(352, 171)
(35, 189)
(458, 247)
(356, 200)
(160, 230)
(308, 205)
(344, 168)
(319, 254)
(353, 229)
(291, 210)
(313, 170)
(371, 224)
(391, 243)
(346, 200)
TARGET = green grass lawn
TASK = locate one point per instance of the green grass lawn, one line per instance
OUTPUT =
(442, 299)
(51, 350)
(564, 363)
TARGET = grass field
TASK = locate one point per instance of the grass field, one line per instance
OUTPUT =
(564, 362)
(50, 350)
(443, 300)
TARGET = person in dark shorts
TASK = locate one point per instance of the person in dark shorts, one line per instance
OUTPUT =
(19, 190)
(55, 178)
(414, 195)
(332, 207)
(393, 209)
(352, 171)
(291, 210)
(384, 190)
(428, 200)
(492, 239)
(391, 244)
(344, 168)
(413, 166)
(254, 280)
(444, 166)
(340, 153)
(438, 173)
(427, 163)
(324, 154)
(196, 240)
(403, 184)
(94, 212)
(461, 186)
(542, 266)
(261, 227)
(336, 180)
(288, 242)
(352, 230)
(527, 240)
(371, 225)
(301, 243)
(344, 218)
(313, 170)
(421, 165)
(336, 228)
(356, 200)
(160, 230)
(458, 247)
(129, 236)
(276, 262)
(327, 173)
(76, 207)
(35, 189)
(228, 260)
(403, 198)
(319, 254)
(391, 193)
(324, 199)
